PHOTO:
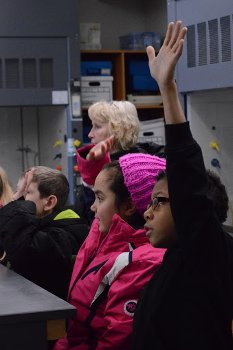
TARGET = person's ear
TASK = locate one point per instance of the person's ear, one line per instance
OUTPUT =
(129, 208)
(51, 202)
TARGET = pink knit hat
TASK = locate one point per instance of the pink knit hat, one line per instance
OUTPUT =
(140, 171)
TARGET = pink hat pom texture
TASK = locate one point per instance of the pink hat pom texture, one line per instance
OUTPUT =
(140, 171)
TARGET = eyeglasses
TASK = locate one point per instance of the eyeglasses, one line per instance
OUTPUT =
(157, 201)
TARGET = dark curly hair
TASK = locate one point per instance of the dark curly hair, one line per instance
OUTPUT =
(216, 192)
(118, 187)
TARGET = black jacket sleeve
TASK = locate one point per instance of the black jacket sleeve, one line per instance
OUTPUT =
(35, 251)
(200, 233)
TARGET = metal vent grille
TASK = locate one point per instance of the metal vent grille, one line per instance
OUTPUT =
(225, 38)
(207, 59)
(32, 68)
(191, 47)
(28, 73)
(213, 39)
(0, 73)
(12, 73)
(46, 73)
(213, 43)
(202, 44)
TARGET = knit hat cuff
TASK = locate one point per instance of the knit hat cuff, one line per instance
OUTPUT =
(140, 171)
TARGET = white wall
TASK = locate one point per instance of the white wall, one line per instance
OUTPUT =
(36, 130)
(52, 128)
(10, 141)
(210, 114)
(119, 17)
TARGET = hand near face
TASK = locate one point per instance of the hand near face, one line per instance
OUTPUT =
(100, 150)
(28, 178)
(23, 184)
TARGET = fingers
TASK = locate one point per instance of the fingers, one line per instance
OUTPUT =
(168, 33)
(28, 178)
(180, 40)
(150, 53)
(175, 33)
(98, 151)
(109, 142)
(91, 156)
(174, 36)
(180, 48)
(101, 148)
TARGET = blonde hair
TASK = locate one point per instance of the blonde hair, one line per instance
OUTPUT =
(6, 192)
(122, 120)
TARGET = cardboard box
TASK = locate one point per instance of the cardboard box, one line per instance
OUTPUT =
(96, 88)
(152, 131)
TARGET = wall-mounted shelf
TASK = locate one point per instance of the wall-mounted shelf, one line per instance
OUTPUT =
(144, 106)
(119, 59)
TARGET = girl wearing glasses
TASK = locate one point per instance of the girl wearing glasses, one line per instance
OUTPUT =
(188, 304)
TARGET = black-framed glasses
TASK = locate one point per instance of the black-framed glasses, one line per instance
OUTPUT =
(156, 201)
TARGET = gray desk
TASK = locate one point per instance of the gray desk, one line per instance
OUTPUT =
(29, 315)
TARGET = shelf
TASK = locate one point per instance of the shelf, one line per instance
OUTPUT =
(140, 106)
(148, 106)
(101, 52)
(120, 60)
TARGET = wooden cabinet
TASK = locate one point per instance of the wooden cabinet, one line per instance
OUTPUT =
(121, 86)
(120, 59)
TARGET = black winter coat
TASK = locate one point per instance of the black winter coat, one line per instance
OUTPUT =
(40, 249)
(188, 303)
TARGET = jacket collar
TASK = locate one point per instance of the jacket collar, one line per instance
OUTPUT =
(120, 232)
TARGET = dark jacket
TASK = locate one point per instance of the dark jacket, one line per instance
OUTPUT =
(187, 305)
(40, 249)
(141, 147)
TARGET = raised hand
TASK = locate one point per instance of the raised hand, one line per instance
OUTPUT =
(163, 65)
(23, 184)
(100, 149)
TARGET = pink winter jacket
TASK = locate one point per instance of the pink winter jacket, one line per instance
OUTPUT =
(109, 273)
